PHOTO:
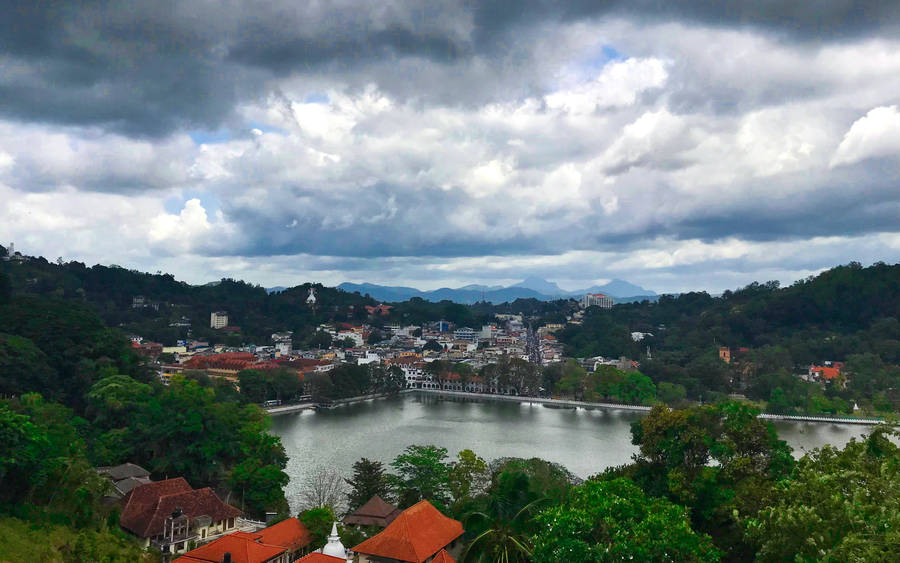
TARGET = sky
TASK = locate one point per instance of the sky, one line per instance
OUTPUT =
(679, 145)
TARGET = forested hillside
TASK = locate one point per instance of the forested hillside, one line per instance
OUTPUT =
(846, 314)
(73, 395)
(110, 290)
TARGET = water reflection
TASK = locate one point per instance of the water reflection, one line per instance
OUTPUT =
(585, 441)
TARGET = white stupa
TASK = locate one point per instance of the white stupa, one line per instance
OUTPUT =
(334, 547)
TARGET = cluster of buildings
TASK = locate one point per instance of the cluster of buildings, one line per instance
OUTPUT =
(190, 525)
(409, 347)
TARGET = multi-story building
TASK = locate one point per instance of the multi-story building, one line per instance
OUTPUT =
(597, 300)
(465, 333)
(218, 319)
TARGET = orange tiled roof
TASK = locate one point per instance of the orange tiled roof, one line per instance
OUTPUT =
(827, 373)
(443, 557)
(258, 547)
(419, 532)
(241, 548)
(290, 534)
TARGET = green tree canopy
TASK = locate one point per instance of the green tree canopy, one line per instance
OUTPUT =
(24, 368)
(838, 505)
(421, 472)
(720, 461)
(469, 476)
(615, 521)
(368, 480)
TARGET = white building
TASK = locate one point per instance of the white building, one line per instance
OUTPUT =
(465, 333)
(598, 300)
(488, 332)
(354, 336)
(218, 319)
(283, 342)
(369, 358)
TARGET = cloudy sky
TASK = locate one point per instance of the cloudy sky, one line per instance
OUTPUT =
(704, 146)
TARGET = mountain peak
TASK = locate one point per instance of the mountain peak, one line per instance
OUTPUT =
(540, 285)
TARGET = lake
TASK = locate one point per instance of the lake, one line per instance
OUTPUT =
(585, 441)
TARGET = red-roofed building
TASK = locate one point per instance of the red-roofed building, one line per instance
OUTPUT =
(290, 534)
(168, 514)
(415, 536)
(281, 543)
(228, 364)
(382, 310)
(376, 512)
(240, 549)
(825, 373)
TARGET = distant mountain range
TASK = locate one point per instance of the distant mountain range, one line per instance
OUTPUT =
(530, 288)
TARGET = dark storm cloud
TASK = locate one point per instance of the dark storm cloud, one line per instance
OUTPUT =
(147, 68)
(143, 69)
(814, 20)
(377, 221)
(852, 201)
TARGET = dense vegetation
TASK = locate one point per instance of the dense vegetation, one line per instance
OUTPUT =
(711, 483)
(109, 290)
(73, 395)
(848, 314)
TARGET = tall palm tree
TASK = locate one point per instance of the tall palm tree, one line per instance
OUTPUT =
(503, 530)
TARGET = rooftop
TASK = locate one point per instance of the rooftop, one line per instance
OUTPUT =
(146, 507)
(416, 534)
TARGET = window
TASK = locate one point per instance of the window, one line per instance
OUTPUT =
(203, 533)
(231, 523)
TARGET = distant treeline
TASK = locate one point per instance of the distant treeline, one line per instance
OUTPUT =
(846, 314)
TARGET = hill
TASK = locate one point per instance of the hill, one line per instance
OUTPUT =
(848, 314)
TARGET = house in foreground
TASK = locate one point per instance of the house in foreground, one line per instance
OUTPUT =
(283, 542)
(419, 534)
(168, 515)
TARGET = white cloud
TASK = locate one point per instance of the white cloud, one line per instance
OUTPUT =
(655, 136)
(876, 134)
(619, 84)
(179, 233)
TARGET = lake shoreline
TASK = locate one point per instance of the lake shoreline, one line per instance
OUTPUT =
(561, 404)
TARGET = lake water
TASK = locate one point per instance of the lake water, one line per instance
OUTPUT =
(585, 441)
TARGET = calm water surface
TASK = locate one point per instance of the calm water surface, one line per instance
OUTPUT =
(585, 441)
